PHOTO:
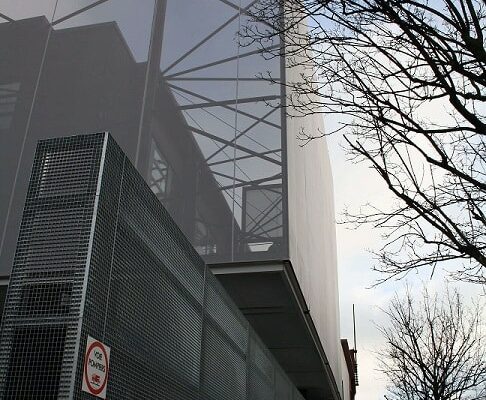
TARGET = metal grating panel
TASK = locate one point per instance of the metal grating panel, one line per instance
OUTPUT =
(105, 259)
(283, 386)
(220, 309)
(224, 368)
(40, 325)
(35, 362)
(262, 375)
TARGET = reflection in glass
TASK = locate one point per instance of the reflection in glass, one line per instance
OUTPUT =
(180, 91)
(14, 10)
(8, 99)
(262, 217)
(81, 71)
(218, 85)
(204, 241)
(161, 174)
(132, 19)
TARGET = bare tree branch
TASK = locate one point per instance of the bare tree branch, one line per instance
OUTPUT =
(433, 348)
(408, 81)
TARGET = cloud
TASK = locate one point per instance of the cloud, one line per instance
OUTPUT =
(354, 186)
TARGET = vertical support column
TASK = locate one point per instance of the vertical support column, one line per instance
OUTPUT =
(152, 77)
(283, 130)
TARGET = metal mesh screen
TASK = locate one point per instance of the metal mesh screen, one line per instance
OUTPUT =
(41, 318)
(117, 268)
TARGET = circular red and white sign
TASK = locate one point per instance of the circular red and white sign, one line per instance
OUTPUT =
(96, 368)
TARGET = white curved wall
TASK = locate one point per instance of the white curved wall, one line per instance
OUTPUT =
(312, 236)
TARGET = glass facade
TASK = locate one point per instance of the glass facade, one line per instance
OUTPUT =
(181, 91)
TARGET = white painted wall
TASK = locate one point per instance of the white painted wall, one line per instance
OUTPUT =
(345, 384)
(312, 235)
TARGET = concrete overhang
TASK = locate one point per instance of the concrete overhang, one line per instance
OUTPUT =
(269, 296)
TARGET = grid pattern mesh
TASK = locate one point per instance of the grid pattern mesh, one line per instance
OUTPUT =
(41, 319)
(174, 333)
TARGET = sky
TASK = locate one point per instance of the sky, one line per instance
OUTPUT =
(355, 185)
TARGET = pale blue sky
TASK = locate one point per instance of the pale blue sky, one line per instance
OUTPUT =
(355, 185)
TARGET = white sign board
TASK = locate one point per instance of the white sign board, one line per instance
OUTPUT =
(95, 368)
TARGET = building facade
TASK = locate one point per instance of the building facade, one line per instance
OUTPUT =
(99, 256)
(186, 98)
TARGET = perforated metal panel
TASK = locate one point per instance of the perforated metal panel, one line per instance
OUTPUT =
(99, 255)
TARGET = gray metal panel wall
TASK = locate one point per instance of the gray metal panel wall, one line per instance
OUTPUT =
(173, 331)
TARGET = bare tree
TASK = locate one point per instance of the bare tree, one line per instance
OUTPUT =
(434, 349)
(407, 79)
